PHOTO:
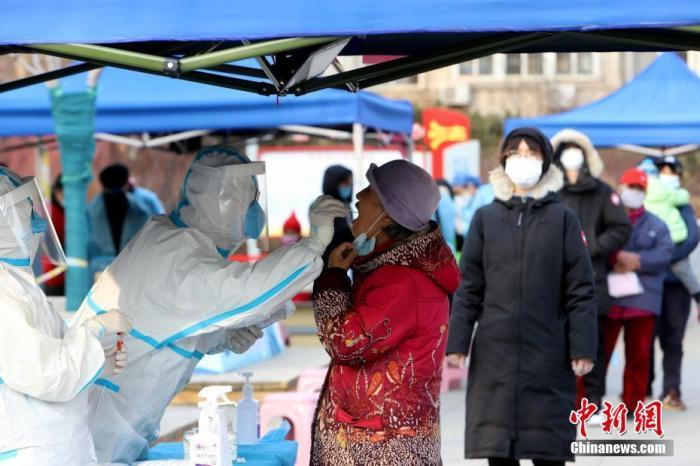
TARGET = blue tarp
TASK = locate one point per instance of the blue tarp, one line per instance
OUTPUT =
(130, 102)
(105, 21)
(660, 107)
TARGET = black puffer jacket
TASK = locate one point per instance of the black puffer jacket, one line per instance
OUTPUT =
(598, 208)
(528, 282)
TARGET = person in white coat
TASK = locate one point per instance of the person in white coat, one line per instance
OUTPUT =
(187, 299)
(45, 368)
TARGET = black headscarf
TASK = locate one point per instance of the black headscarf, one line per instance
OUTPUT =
(538, 137)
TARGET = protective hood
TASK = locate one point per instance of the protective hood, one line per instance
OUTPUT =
(504, 189)
(570, 136)
(13, 250)
(219, 189)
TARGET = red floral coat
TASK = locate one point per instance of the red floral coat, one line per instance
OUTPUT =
(386, 335)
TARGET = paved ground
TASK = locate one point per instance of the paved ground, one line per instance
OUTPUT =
(681, 427)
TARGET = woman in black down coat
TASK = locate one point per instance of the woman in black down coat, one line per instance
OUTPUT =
(528, 282)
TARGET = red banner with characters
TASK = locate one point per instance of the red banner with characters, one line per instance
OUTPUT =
(442, 129)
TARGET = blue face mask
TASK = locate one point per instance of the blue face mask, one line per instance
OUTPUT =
(254, 221)
(345, 193)
(364, 245)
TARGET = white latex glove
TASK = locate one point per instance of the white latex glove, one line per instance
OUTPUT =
(115, 362)
(109, 323)
(241, 339)
(322, 214)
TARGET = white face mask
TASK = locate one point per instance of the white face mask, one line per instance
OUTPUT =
(462, 200)
(671, 181)
(572, 159)
(632, 198)
(524, 172)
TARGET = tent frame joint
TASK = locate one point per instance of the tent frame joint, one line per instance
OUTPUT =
(172, 67)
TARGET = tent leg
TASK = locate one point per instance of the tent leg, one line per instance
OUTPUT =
(410, 147)
(358, 145)
(74, 116)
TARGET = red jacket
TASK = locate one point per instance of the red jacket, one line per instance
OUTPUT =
(386, 335)
(58, 218)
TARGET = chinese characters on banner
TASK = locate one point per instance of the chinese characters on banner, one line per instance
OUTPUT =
(442, 129)
(647, 417)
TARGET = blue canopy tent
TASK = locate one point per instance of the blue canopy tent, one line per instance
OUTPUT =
(657, 108)
(190, 40)
(111, 21)
(130, 103)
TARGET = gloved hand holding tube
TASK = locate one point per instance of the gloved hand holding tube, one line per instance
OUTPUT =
(112, 324)
(109, 323)
(115, 357)
(322, 215)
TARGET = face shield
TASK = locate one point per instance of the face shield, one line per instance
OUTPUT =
(26, 222)
(228, 203)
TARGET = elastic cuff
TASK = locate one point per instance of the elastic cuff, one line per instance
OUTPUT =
(96, 328)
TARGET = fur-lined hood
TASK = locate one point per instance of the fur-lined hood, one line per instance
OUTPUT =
(504, 189)
(593, 160)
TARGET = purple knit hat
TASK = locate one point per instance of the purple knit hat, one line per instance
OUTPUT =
(408, 193)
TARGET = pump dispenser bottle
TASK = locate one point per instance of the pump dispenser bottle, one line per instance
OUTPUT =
(248, 415)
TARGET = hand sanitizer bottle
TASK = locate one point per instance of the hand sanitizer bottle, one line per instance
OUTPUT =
(210, 446)
(248, 415)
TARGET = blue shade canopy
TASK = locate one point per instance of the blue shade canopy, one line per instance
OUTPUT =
(111, 21)
(130, 102)
(660, 107)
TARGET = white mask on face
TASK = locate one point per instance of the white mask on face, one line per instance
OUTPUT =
(524, 172)
(572, 159)
(671, 181)
(632, 198)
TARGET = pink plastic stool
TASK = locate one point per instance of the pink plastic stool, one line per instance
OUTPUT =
(452, 377)
(296, 407)
(311, 380)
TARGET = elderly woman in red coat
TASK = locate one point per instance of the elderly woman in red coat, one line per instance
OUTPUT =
(386, 330)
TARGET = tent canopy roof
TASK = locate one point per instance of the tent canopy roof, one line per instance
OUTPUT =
(114, 21)
(189, 39)
(657, 108)
(133, 103)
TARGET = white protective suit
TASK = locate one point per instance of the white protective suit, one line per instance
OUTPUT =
(45, 367)
(185, 298)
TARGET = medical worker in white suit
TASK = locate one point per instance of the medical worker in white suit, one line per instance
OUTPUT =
(187, 299)
(45, 367)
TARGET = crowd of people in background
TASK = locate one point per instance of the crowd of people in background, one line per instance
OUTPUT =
(552, 272)
(554, 264)
(115, 215)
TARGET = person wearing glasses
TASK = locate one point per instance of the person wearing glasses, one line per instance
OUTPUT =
(525, 311)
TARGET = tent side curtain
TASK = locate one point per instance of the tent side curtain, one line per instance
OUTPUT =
(131, 102)
(657, 108)
(113, 21)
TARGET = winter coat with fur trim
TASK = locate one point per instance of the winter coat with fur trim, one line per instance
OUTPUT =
(598, 208)
(528, 283)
